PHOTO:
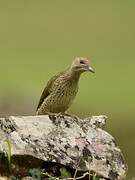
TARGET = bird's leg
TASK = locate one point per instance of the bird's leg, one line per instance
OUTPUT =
(70, 115)
(60, 114)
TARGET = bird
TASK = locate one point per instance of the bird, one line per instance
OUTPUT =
(62, 88)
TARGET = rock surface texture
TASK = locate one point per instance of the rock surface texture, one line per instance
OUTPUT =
(79, 144)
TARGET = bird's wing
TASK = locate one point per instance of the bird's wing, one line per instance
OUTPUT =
(46, 91)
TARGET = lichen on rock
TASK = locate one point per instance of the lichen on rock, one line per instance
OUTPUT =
(78, 144)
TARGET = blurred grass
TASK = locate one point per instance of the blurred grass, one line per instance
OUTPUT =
(40, 38)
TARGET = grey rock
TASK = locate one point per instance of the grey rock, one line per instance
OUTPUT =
(80, 144)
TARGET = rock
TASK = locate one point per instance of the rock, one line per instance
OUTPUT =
(76, 143)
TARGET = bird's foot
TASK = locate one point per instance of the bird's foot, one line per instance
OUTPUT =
(51, 114)
(71, 115)
(61, 115)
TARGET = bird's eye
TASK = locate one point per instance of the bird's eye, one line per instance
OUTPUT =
(82, 62)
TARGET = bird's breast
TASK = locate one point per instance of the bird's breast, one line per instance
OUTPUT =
(63, 95)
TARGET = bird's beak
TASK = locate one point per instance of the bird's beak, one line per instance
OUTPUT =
(91, 69)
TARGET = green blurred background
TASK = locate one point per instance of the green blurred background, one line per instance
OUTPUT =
(40, 38)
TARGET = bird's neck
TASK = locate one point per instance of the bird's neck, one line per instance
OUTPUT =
(73, 75)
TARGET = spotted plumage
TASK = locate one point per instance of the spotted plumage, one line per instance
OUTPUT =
(61, 89)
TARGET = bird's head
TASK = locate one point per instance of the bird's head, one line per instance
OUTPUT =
(81, 64)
